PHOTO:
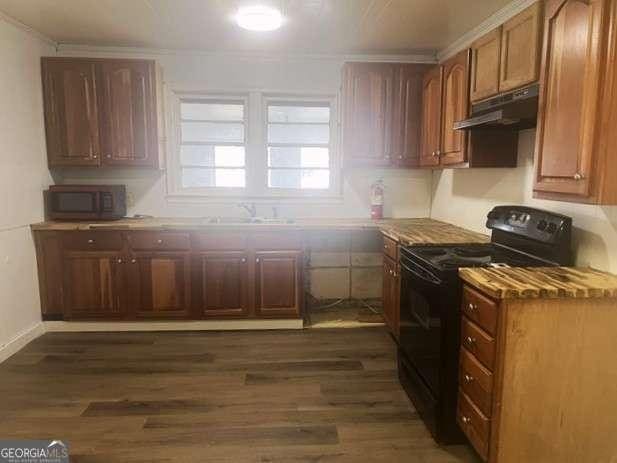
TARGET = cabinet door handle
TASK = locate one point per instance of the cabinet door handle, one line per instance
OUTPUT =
(90, 241)
(119, 261)
(108, 156)
(465, 420)
(472, 307)
(578, 176)
(471, 341)
(401, 158)
(133, 261)
(94, 156)
(257, 260)
(468, 378)
(243, 260)
(159, 241)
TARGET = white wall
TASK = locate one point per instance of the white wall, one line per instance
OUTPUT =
(23, 176)
(407, 193)
(465, 196)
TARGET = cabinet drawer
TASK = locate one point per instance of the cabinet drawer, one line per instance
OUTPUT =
(390, 248)
(480, 309)
(219, 241)
(96, 241)
(159, 240)
(476, 382)
(477, 342)
(475, 426)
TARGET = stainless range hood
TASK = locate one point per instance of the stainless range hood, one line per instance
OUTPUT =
(516, 110)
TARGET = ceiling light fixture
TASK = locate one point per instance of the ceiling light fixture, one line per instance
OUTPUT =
(259, 18)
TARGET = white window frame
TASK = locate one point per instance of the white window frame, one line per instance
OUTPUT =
(256, 150)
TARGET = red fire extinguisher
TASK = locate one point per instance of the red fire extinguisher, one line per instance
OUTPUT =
(377, 190)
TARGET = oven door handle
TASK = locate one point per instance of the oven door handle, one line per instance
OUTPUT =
(428, 278)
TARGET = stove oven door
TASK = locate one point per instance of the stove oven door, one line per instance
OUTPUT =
(422, 296)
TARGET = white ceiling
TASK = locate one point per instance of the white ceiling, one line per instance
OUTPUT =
(312, 26)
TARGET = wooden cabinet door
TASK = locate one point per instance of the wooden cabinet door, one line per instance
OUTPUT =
(223, 284)
(485, 57)
(71, 112)
(431, 117)
(455, 108)
(368, 97)
(278, 283)
(93, 285)
(391, 296)
(407, 120)
(520, 49)
(129, 125)
(569, 96)
(158, 284)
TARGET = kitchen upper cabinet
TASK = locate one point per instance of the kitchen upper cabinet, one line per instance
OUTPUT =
(100, 112)
(93, 284)
(223, 284)
(278, 283)
(129, 108)
(576, 140)
(382, 114)
(520, 49)
(407, 120)
(485, 59)
(508, 57)
(368, 96)
(71, 109)
(158, 284)
(432, 92)
(455, 107)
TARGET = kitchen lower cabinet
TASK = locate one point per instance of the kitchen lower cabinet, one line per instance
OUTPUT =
(158, 285)
(223, 284)
(155, 275)
(391, 284)
(533, 373)
(93, 285)
(278, 283)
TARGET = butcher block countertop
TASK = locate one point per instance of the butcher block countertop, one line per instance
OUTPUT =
(405, 231)
(541, 282)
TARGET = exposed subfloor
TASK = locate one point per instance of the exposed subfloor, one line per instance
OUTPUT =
(327, 395)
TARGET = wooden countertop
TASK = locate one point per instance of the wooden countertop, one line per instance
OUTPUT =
(431, 232)
(542, 282)
(415, 231)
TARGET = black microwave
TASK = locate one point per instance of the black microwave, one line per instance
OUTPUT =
(86, 202)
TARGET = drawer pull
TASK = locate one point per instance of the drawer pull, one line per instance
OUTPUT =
(119, 261)
(243, 260)
(468, 378)
(470, 340)
(465, 420)
(159, 241)
(257, 260)
(90, 241)
(133, 261)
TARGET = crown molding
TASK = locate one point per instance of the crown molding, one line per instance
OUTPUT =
(27, 29)
(65, 49)
(497, 19)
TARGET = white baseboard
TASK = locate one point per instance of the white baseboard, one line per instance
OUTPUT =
(207, 325)
(21, 340)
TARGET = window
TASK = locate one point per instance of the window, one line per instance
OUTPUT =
(299, 146)
(253, 146)
(212, 145)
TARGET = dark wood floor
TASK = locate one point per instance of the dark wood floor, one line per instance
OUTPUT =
(274, 396)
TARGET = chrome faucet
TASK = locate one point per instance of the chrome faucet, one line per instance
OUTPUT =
(250, 208)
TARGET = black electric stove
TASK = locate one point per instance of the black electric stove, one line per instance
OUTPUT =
(431, 298)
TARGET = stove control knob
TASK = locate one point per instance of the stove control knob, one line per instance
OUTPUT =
(552, 228)
(542, 224)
